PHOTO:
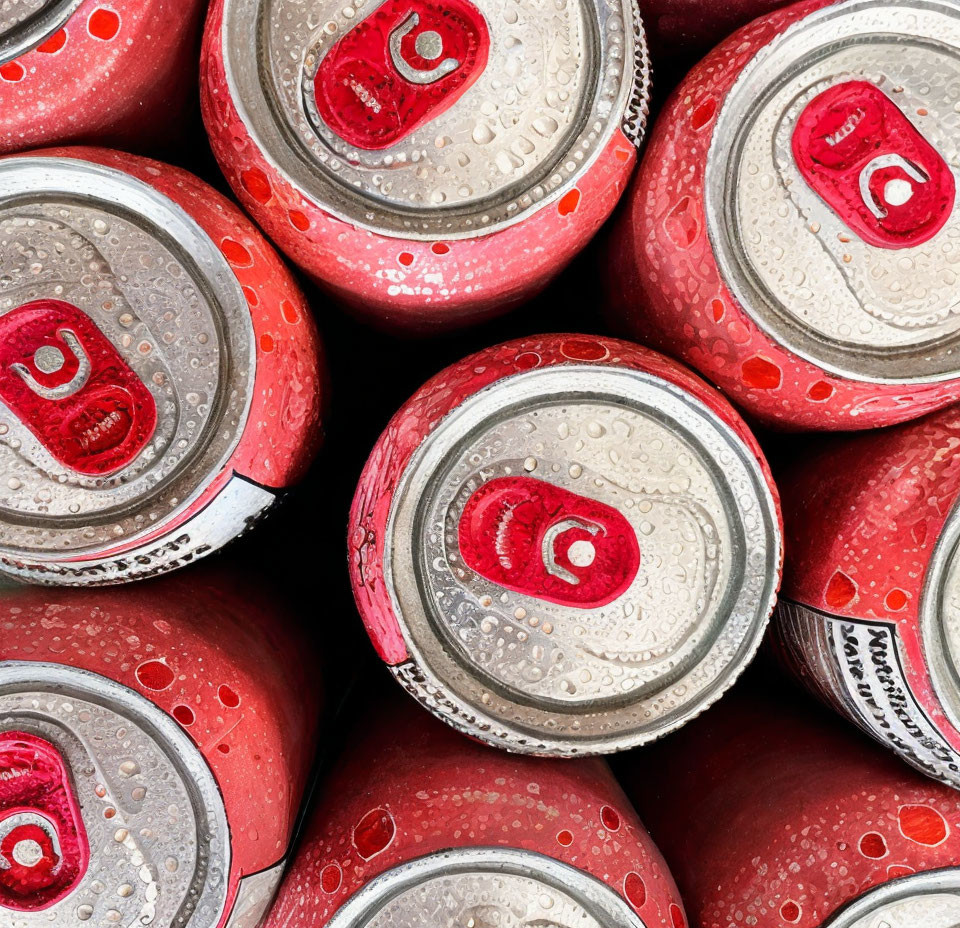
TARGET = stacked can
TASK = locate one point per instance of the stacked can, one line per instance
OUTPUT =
(871, 608)
(566, 545)
(772, 815)
(159, 371)
(154, 748)
(431, 164)
(793, 231)
(120, 72)
(420, 826)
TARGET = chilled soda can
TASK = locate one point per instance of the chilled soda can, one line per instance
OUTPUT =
(155, 743)
(430, 164)
(159, 370)
(870, 615)
(420, 826)
(121, 72)
(566, 545)
(776, 814)
(793, 229)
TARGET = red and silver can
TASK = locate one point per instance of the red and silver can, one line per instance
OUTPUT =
(155, 743)
(871, 608)
(566, 545)
(430, 164)
(774, 815)
(418, 825)
(159, 370)
(792, 233)
(114, 71)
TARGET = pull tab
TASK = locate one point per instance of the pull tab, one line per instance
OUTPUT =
(43, 844)
(67, 383)
(535, 538)
(405, 64)
(869, 163)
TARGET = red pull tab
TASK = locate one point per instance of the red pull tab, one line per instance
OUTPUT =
(535, 538)
(869, 163)
(65, 381)
(403, 65)
(43, 844)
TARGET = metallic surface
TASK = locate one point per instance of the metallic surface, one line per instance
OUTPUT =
(856, 309)
(485, 886)
(417, 826)
(502, 151)
(24, 24)
(153, 280)
(929, 899)
(630, 434)
(156, 823)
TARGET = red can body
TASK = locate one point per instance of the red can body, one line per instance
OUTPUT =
(116, 73)
(771, 811)
(787, 223)
(112, 380)
(202, 680)
(321, 167)
(542, 515)
(408, 791)
(868, 609)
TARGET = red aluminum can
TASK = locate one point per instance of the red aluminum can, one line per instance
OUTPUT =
(430, 164)
(871, 609)
(418, 825)
(115, 71)
(160, 374)
(792, 231)
(566, 545)
(155, 743)
(771, 814)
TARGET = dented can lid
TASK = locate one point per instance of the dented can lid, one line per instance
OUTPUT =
(109, 813)
(931, 899)
(24, 24)
(428, 118)
(581, 558)
(831, 186)
(485, 885)
(127, 359)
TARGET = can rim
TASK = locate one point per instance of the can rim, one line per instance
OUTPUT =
(595, 896)
(198, 778)
(30, 178)
(942, 667)
(946, 880)
(440, 679)
(741, 103)
(243, 28)
(33, 31)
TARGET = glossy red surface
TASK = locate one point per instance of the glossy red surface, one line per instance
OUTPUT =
(408, 787)
(121, 72)
(771, 811)
(184, 642)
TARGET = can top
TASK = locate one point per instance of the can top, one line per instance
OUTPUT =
(580, 559)
(144, 838)
(931, 899)
(831, 189)
(499, 886)
(435, 118)
(24, 24)
(127, 358)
